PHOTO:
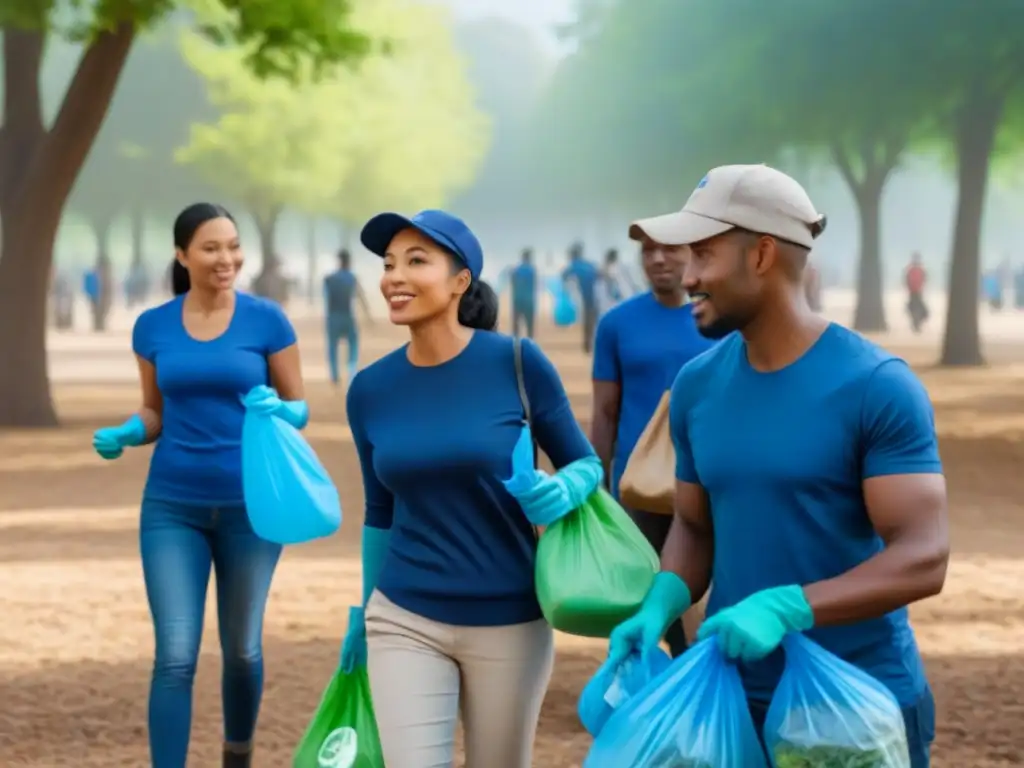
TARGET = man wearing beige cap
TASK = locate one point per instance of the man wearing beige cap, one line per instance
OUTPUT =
(809, 489)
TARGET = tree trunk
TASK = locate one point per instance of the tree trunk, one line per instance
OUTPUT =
(104, 299)
(869, 314)
(975, 138)
(266, 227)
(865, 172)
(37, 171)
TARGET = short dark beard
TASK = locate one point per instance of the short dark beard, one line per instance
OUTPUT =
(719, 329)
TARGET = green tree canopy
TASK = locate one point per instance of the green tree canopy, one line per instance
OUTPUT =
(40, 158)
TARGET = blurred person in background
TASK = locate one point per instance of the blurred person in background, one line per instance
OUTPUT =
(523, 285)
(341, 287)
(98, 286)
(915, 280)
(198, 355)
(585, 276)
(449, 607)
(1018, 287)
(641, 344)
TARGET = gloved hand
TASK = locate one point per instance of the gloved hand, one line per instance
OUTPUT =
(753, 628)
(551, 497)
(666, 600)
(110, 442)
(353, 647)
(263, 399)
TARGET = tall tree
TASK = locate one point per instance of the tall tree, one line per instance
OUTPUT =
(40, 160)
(675, 85)
(422, 81)
(274, 144)
(130, 170)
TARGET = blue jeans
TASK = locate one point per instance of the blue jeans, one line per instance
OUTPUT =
(179, 544)
(342, 328)
(919, 719)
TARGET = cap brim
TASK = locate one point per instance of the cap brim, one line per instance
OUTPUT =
(679, 228)
(379, 231)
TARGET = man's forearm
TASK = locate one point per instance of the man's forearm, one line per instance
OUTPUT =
(602, 437)
(688, 552)
(906, 571)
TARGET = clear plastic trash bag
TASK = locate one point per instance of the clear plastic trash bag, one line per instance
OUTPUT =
(827, 713)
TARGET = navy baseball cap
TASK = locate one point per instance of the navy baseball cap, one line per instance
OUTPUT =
(442, 227)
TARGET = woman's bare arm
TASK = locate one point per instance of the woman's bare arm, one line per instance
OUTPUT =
(152, 408)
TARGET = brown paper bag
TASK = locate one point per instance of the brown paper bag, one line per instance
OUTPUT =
(649, 481)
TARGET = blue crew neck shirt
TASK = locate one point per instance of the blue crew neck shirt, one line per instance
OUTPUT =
(524, 286)
(782, 457)
(198, 456)
(586, 276)
(339, 291)
(641, 345)
(435, 444)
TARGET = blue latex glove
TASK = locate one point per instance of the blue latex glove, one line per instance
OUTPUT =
(666, 600)
(264, 399)
(753, 628)
(110, 442)
(551, 497)
(375, 549)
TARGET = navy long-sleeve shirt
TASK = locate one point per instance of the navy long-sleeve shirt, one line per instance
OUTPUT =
(435, 444)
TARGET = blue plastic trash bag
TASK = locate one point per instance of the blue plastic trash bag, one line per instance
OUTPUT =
(289, 496)
(564, 306)
(827, 712)
(613, 685)
(693, 715)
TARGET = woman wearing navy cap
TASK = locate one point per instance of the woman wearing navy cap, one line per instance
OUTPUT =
(452, 620)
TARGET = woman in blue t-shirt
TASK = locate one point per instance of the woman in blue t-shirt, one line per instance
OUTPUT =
(198, 354)
(451, 613)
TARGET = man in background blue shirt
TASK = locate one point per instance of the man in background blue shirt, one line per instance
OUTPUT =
(585, 275)
(809, 493)
(641, 344)
(340, 288)
(524, 294)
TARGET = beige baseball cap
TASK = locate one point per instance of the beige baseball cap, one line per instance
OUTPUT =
(752, 197)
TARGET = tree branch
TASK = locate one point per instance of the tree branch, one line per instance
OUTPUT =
(842, 161)
(83, 110)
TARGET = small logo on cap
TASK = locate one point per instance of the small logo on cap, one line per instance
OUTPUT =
(703, 183)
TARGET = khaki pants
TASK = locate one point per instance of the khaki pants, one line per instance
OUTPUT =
(423, 674)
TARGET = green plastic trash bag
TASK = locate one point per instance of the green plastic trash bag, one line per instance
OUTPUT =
(343, 733)
(594, 568)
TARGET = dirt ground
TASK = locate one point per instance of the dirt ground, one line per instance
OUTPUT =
(75, 637)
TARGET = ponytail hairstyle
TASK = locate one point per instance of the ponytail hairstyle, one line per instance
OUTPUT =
(185, 227)
(478, 307)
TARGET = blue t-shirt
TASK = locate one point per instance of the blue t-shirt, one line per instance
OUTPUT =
(641, 344)
(339, 290)
(524, 285)
(586, 276)
(435, 444)
(198, 456)
(782, 456)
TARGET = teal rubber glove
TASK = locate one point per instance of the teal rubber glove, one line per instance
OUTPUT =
(110, 442)
(353, 646)
(549, 498)
(264, 399)
(753, 628)
(666, 600)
